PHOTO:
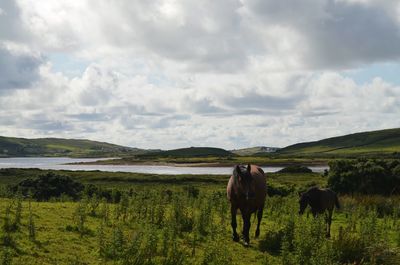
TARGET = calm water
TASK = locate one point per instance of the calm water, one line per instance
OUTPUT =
(60, 163)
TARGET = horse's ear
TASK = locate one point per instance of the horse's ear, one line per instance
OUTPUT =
(237, 169)
(248, 168)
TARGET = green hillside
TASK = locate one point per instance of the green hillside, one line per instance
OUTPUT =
(191, 152)
(382, 142)
(257, 150)
(10, 146)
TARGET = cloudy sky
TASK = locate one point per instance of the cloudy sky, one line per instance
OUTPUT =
(176, 73)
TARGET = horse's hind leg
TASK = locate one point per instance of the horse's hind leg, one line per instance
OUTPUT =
(235, 235)
(259, 216)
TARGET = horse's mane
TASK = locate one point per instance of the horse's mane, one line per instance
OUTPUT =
(312, 189)
(236, 173)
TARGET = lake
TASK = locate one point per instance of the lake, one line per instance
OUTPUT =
(60, 163)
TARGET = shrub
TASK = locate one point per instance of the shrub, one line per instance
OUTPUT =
(348, 247)
(49, 186)
(273, 241)
(295, 169)
(364, 176)
(279, 189)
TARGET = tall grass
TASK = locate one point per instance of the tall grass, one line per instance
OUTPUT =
(180, 227)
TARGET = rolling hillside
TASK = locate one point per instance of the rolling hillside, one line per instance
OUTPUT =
(383, 142)
(191, 152)
(10, 146)
(258, 150)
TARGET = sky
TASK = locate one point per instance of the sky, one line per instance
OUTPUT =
(170, 73)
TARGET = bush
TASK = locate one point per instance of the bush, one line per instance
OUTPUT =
(364, 176)
(279, 189)
(272, 241)
(49, 186)
(295, 169)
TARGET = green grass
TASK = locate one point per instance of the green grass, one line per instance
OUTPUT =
(59, 242)
(152, 213)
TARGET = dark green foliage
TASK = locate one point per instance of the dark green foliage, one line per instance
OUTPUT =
(295, 169)
(175, 256)
(273, 241)
(48, 186)
(6, 257)
(7, 228)
(31, 224)
(80, 216)
(274, 189)
(192, 191)
(349, 247)
(189, 152)
(364, 176)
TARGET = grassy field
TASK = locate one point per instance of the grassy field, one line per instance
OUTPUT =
(126, 180)
(152, 228)
(185, 220)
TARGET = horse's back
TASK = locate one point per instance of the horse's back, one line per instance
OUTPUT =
(326, 198)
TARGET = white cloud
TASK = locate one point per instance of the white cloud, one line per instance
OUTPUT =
(169, 73)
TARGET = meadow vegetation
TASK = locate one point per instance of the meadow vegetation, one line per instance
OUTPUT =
(125, 218)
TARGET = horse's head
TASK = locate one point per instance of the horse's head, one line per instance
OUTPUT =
(244, 181)
(303, 201)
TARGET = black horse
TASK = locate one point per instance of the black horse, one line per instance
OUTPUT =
(246, 191)
(321, 201)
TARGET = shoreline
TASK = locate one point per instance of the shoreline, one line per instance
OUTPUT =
(202, 164)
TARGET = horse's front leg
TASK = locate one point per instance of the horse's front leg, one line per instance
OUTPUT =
(235, 235)
(328, 223)
(246, 227)
(259, 216)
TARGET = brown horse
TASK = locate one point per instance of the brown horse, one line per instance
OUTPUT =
(321, 201)
(246, 191)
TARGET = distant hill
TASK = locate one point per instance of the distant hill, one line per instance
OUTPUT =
(10, 146)
(383, 142)
(258, 150)
(191, 152)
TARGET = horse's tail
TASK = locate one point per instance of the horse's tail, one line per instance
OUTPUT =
(337, 202)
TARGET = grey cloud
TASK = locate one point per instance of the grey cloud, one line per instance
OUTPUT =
(256, 101)
(337, 34)
(18, 70)
(11, 25)
(153, 122)
(90, 116)
(46, 125)
(209, 37)
(317, 113)
(201, 106)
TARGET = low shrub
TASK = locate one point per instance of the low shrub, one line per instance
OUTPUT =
(49, 186)
(295, 169)
(272, 241)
